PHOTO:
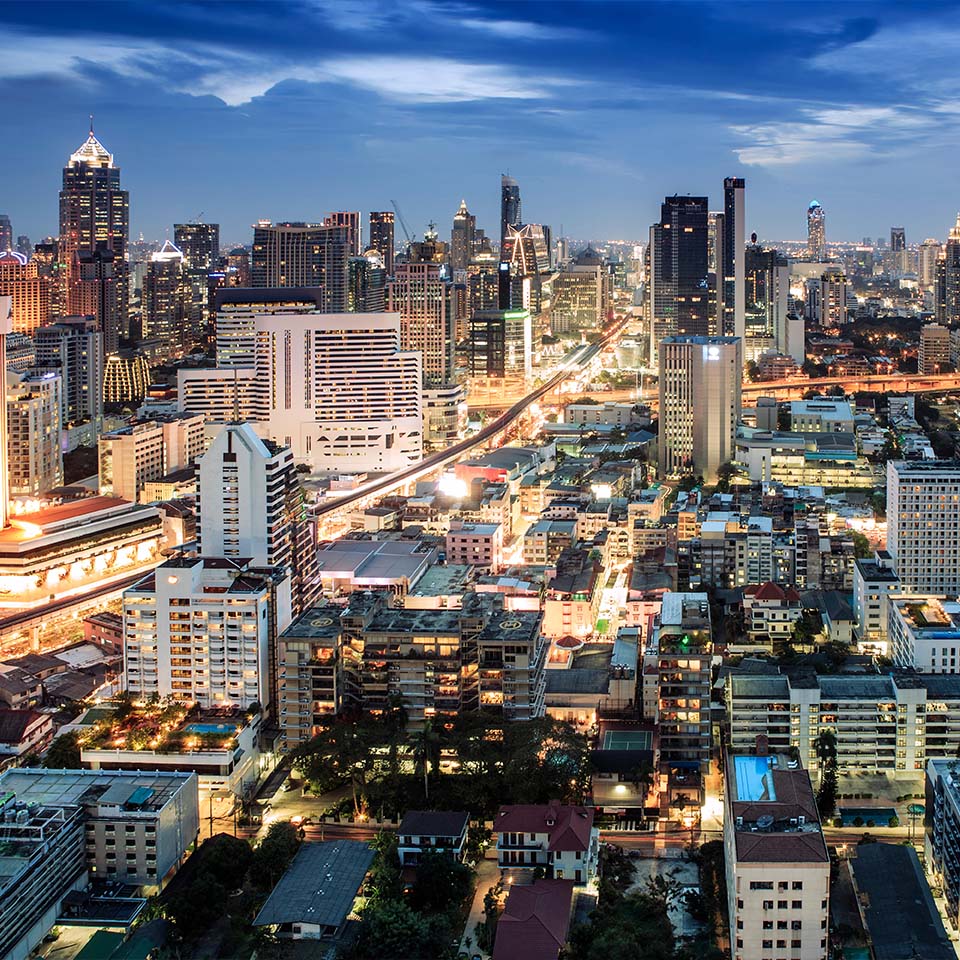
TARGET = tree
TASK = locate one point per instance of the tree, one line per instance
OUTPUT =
(385, 881)
(274, 854)
(641, 776)
(64, 752)
(442, 883)
(752, 371)
(826, 747)
(861, 545)
(226, 860)
(725, 473)
(198, 907)
(392, 930)
(426, 752)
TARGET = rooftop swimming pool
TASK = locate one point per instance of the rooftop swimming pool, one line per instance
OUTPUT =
(213, 728)
(754, 779)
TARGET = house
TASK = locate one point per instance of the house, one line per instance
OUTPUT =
(769, 614)
(535, 921)
(19, 689)
(23, 732)
(316, 895)
(561, 840)
(440, 831)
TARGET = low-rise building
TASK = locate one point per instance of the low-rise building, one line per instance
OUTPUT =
(572, 602)
(545, 540)
(432, 831)
(821, 415)
(595, 414)
(535, 921)
(478, 544)
(560, 840)
(23, 732)
(875, 582)
(770, 613)
(777, 865)
(924, 633)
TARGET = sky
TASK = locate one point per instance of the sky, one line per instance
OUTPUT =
(235, 111)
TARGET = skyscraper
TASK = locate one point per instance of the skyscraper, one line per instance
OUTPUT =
(6, 233)
(816, 232)
(350, 221)
(367, 283)
(462, 240)
(733, 291)
(947, 293)
(929, 253)
(303, 255)
(73, 347)
(165, 294)
(381, 236)
(424, 299)
(768, 297)
(700, 383)
(510, 215)
(680, 294)
(899, 255)
(94, 230)
(527, 252)
(199, 243)
(28, 290)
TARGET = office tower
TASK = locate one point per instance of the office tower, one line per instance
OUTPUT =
(462, 239)
(501, 343)
(238, 268)
(367, 278)
(681, 649)
(816, 232)
(767, 299)
(947, 293)
(381, 236)
(200, 245)
(582, 293)
(431, 249)
(826, 299)
(51, 270)
(510, 214)
(348, 220)
(337, 388)
(527, 252)
(251, 504)
(424, 298)
(74, 347)
(923, 513)
(94, 230)
(934, 348)
(777, 864)
(928, 255)
(732, 291)
(680, 294)
(34, 456)
(165, 297)
(6, 233)
(24, 246)
(5, 315)
(483, 283)
(303, 255)
(29, 292)
(700, 381)
(202, 630)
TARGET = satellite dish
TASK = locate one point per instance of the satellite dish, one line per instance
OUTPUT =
(765, 822)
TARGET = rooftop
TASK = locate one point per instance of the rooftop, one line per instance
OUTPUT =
(433, 823)
(567, 827)
(319, 887)
(535, 921)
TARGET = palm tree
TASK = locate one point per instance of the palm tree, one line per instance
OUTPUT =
(641, 776)
(424, 753)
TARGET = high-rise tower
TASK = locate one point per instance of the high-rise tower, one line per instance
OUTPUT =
(510, 215)
(733, 289)
(462, 239)
(381, 236)
(947, 290)
(816, 232)
(94, 230)
(199, 243)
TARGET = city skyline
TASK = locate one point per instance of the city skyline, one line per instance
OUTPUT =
(351, 124)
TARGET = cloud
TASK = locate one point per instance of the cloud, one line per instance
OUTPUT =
(830, 134)
(523, 29)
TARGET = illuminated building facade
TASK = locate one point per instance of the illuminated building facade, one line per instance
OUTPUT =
(462, 239)
(381, 237)
(348, 220)
(367, 279)
(72, 549)
(947, 288)
(816, 232)
(126, 377)
(510, 211)
(700, 385)
(731, 292)
(35, 459)
(74, 347)
(424, 299)
(94, 231)
(501, 343)
(165, 298)
(200, 245)
(201, 630)
(581, 293)
(28, 290)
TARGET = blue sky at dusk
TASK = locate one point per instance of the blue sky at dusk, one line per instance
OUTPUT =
(289, 110)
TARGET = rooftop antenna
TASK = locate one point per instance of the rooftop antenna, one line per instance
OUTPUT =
(91, 124)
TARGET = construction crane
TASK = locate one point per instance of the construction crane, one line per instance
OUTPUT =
(403, 222)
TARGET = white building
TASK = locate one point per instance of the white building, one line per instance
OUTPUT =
(924, 633)
(33, 410)
(821, 415)
(700, 384)
(336, 388)
(875, 582)
(923, 519)
(596, 414)
(201, 630)
(777, 865)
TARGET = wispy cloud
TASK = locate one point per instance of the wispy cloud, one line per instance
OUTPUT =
(523, 29)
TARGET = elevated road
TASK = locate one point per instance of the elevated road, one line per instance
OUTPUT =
(881, 383)
(575, 362)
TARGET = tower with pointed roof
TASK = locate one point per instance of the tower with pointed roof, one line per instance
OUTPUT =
(94, 230)
(462, 239)
(165, 298)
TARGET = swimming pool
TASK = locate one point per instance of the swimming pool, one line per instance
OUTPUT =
(878, 816)
(212, 728)
(754, 779)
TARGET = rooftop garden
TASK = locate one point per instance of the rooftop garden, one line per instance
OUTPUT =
(165, 726)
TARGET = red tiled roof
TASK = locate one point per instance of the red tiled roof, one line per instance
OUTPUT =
(799, 847)
(568, 827)
(535, 921)
(769, 591)
(15, 723)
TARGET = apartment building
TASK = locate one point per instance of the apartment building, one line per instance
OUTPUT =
(942, 835)
(875, 583)
(545, 540)
(202, 629)
(924, 633)
(572, 601)
(33, 411)
(923, 524)
(883, 724)
(477, 544)
(777, 865)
